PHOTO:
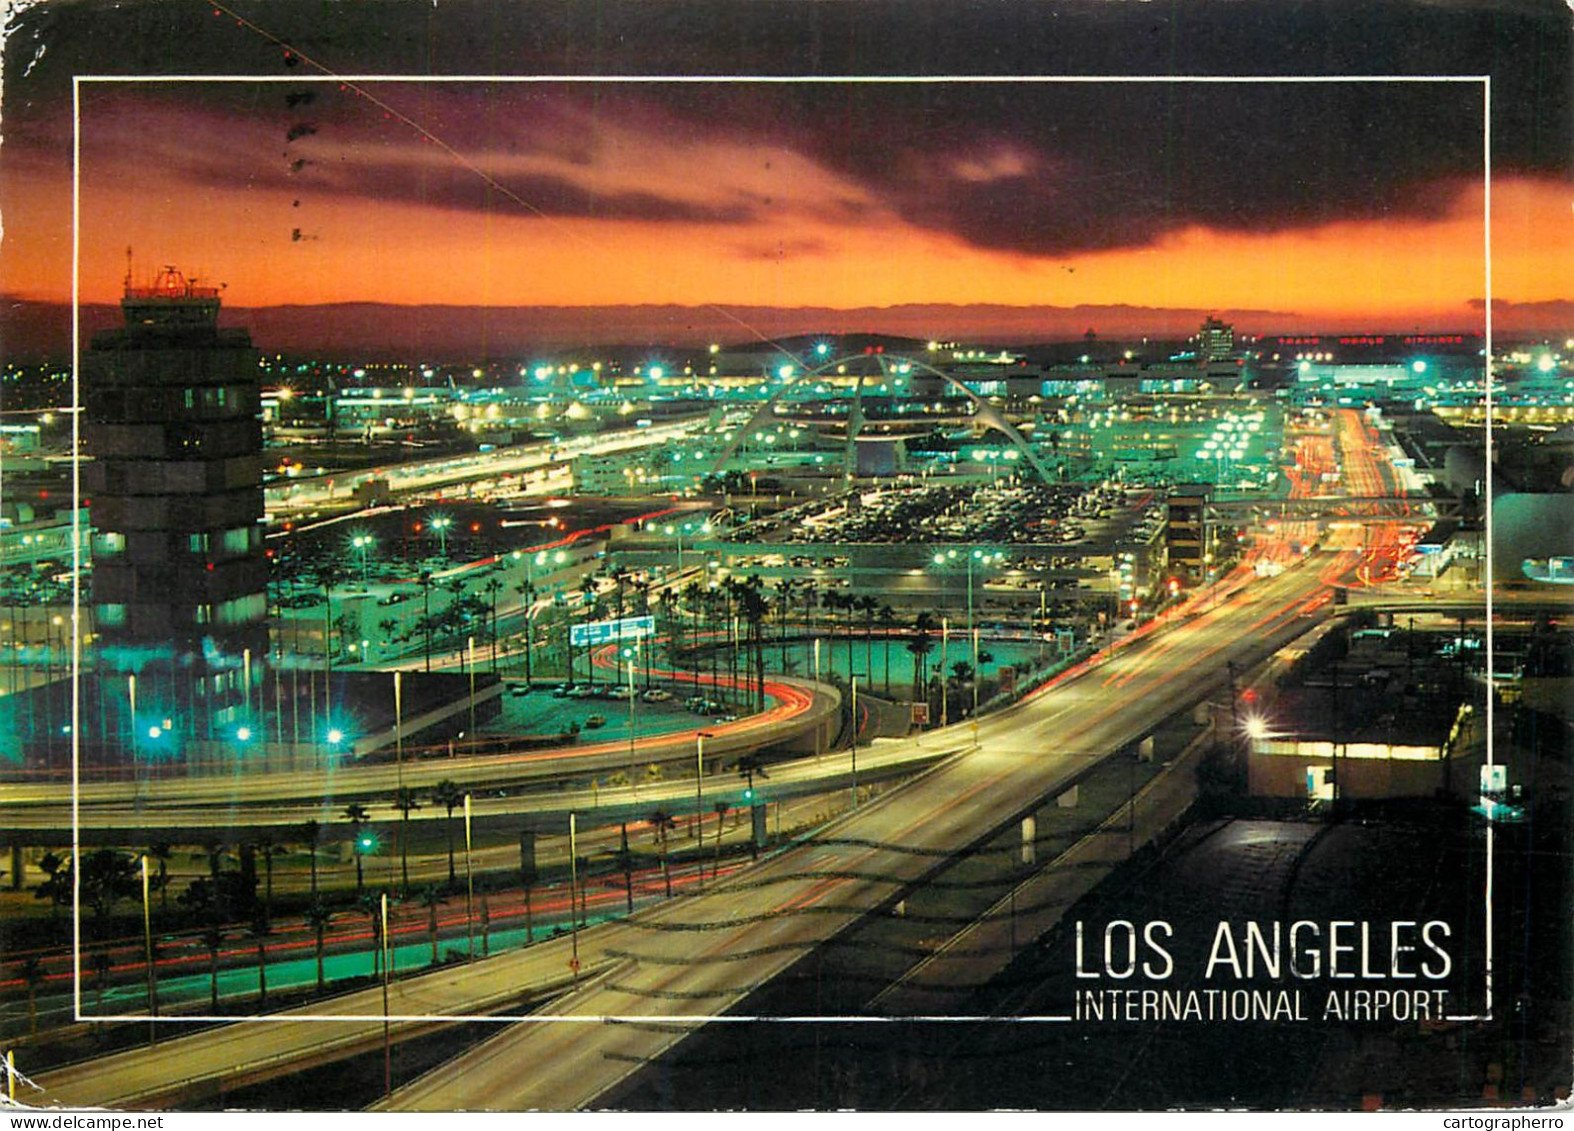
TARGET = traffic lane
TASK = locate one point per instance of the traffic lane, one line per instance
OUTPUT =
(596, 807)
(128, 1078)
(805, 704)
(951, 804)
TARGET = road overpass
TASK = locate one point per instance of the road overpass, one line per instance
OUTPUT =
(688, 961)
(543, 811)
(185, 809)
(699, 959)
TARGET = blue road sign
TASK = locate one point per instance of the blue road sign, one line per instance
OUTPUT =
(608, 631)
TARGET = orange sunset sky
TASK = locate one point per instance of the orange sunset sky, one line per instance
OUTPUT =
(1353, 206)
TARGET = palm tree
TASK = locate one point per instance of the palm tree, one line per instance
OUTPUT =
(693, 596)
(318, 916)
(588, 588)
(432, 898)
(888, 621)
(713, 599)
(405, 800)
(58, 883)
(214, 851)
(161, 851)
(372, 907)
(785, 588)
(620, 577)
(834, 601)
(101, 968)
(450, 796)
(753, 607)
(313, 830)
(661, 821)
(357, 815)
(268, 849)
(729, 594)
(425, 581)
(920, 646)
(493, 587)
(213, 938)
(527, 595)
(811, 595)
(328, 574)
(259, 931)
(868, 606)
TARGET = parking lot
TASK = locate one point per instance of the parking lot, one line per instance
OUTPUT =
(543, 712)
(1004, 514)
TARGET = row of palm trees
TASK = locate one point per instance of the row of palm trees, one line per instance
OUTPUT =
(731, 617)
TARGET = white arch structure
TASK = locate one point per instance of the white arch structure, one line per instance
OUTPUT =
(983, 412)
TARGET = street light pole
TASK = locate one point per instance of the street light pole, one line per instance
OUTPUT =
(470, 657)
(426, 613)
(855, 738)
(469, 888)
(147, 944)
(945, 649)
(699, 786)
(530, 603)
(975, 679)
(387, 1037)
(970, 558)
(573, 894)
(632, 660)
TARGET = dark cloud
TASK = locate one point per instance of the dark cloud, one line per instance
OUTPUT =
(459, 188)
(1047, 170)
(1055, 169)
(223, 138)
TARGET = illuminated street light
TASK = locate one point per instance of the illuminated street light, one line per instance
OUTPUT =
(441, 523)
(362, 544)
(983, 558)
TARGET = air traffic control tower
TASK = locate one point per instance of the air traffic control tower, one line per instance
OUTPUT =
(172, 421)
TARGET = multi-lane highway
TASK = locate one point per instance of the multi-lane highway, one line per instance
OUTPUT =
(187, 808)
(695, 960)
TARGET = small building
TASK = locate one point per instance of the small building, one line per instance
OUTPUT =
(1365, 715)
(1190, 538)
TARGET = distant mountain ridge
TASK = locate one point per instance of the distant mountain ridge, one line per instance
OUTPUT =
(32, 330)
